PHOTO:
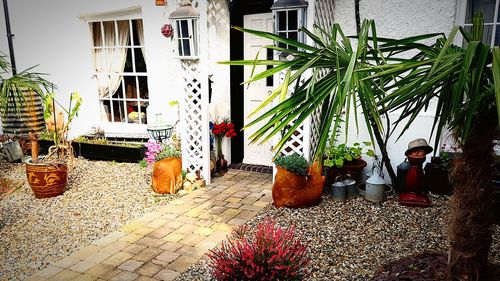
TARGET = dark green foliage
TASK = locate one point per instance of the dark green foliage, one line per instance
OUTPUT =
(294, 163)
(168, 151)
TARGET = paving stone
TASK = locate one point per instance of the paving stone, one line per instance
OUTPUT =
(218, 203)
(250, 208)
(125, 276)
(182, 263)
(222, 227)
(186, 229)
(233, 205)
(84, 277)
(207, 216)
(131, 227)
(144, 230)
(241, 194)
(233, 200)
(115, 247)
(204, 231)
(160, 232)
(248, 200)
(134, 248)
(217, 236)
(216, 210)
(187, 220)
(166, 275)
(260, 204)
(110, 238)
(85, 252)
(97, 257)
(174, 224)
(237, 221)
(170, 246)
(148, 269)
(49, 271)
(82, 266)
(147, 254)
(191, 239)
(66, 262)
(131, 265)
(173, 237)
(190, 251)
(150, 242)
(167, 256)
(157, 223)
(145, 278)
(206, 245)
(204, 223)
(103, 271)
(65, 275)
(118, 258)
(131, 237)
(246, 215)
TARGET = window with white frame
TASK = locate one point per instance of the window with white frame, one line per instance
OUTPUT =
(186, 33)
(491, 14)
(120, 70)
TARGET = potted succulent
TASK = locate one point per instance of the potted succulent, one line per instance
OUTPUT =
(21, 99)
(48, 175)
(297, 184)
(342, 159)
(167, 167)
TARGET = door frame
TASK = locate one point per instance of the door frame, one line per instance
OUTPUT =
(237, 10)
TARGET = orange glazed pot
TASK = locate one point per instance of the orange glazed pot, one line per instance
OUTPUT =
(295, 191)
(46, 180)
(167, 175)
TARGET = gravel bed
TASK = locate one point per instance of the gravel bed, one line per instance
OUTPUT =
(100, 197)
(350, 241)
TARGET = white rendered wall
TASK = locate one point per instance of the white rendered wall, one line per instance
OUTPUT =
(398, 19)
(51, 34)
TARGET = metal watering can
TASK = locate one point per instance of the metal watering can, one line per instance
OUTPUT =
(11, 151)
(350, 184)
(339, 190)
(375, 185)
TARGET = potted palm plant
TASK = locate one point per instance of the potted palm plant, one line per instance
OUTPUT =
(21, 99)
(48, 175)
(376, 74)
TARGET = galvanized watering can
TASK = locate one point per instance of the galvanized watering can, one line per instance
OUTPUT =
(350, 184)
(339, 190)
(375, 185)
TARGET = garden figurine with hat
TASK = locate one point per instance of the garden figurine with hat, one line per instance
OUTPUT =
(416, 154)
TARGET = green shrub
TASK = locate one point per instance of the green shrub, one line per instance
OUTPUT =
(337, 155)
(294, 163)
(168, 151)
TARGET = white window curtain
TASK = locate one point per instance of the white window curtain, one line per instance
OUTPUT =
(140, 34)
(110, 59)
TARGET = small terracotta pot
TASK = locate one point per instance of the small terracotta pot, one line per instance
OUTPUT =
(47, 180)
(167, 175)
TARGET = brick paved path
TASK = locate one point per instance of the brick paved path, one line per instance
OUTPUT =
(162, 244)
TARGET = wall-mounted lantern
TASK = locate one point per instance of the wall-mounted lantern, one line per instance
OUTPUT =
(160, 2)
(185, 21)
(289, 16)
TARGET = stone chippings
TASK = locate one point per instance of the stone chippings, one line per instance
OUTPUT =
(100, 198)
(350, 241)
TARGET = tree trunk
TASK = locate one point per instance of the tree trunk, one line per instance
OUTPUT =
(471, 216)
(383, 150)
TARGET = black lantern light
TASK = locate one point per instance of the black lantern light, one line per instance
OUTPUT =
(185, 21)
(289, 17)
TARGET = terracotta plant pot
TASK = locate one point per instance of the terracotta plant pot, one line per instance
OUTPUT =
(167, 175)
(295, 191)
(47, 180)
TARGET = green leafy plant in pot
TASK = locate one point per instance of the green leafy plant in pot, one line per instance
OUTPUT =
(48, 175)
(342, 159)
(21, 99)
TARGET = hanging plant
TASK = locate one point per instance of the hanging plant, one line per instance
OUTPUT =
(167, 30)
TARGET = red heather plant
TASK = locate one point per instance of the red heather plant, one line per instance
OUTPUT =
(272, 253)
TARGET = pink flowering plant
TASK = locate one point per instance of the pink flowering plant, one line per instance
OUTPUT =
(271, 253)
(157, 151)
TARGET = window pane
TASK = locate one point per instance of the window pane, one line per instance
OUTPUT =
(135, 33)
(140, 64)
(143, 87)
(497, 36)
(123, 32)
(293, 35)
(181, 51)
(282, 34)
(178, 28)
(281, 20)
(130, 85)
(136, 112)
(109, 33)
(128, 62)
(105, 111)
(96, 33)
(292, 20)
(118, 110)
(269, 56)
(487, 33)
(184, 29)
(186, 47)
(119, 91)
(487, 7)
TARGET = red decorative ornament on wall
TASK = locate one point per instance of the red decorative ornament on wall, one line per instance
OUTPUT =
(167, 30)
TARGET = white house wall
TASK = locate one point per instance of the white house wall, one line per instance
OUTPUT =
(52, 35)
(398, 19)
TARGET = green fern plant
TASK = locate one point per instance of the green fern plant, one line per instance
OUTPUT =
(294, 163)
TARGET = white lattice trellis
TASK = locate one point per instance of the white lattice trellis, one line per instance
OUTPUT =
(194, 109)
